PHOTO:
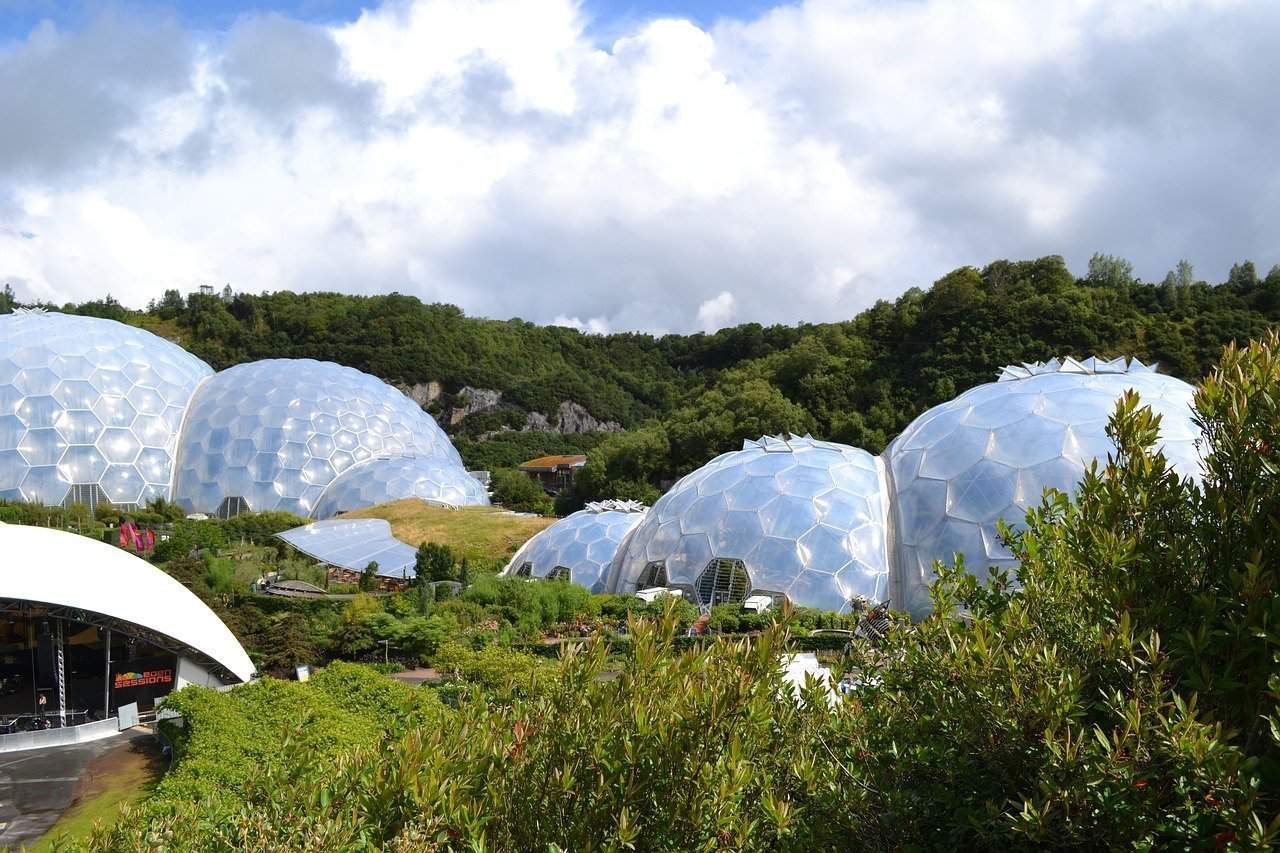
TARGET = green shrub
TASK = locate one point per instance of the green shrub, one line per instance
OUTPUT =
(1122, 691)
(517, 492)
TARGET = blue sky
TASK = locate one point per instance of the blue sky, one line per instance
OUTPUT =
(17, 17)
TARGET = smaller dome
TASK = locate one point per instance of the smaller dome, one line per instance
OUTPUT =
(783, 516)
(379, 481)
(579, 547)
(274, 434)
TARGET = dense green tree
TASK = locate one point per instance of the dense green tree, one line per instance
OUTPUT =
(859, 380)
(1110, 271)
(288, 642)
(435, 562)
(517, 492)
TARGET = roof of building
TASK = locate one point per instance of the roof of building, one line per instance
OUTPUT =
(554, 463)
(67, 570)
(353, 544)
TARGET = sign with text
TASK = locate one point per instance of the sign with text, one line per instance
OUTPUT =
(142, 680)
(133, 678)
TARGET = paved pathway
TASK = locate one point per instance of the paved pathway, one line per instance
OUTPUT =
(38, 785)
(417, 676)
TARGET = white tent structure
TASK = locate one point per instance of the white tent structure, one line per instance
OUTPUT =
(94, 583)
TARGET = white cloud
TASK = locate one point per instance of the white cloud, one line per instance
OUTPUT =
(716, 313)
(592, 325)
(487, 153)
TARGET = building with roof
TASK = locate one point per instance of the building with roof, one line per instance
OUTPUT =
(554, 473)
(579, 547)
(95, 411)
(988, 455)
(350, 545)
(86, 628)
(791, 518)
(89, 409)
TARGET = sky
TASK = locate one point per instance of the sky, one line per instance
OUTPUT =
(657, 165)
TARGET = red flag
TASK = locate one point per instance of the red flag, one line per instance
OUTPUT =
(124, 536)
(135, 537)
(150, 539)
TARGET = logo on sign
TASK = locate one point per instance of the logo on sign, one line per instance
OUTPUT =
(141, 679)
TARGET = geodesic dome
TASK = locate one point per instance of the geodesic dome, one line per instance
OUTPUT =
(783, 516)
(579, 547)
(990, 453)
(381, 480)
(272, 434)
(89, 409)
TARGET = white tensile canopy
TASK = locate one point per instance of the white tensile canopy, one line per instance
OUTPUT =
(63, 569)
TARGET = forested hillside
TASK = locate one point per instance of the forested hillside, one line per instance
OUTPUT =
(684, 398)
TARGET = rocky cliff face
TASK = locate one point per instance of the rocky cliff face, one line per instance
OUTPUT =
(422, 393)
(470, 401)
(569, 418)
(573, 418)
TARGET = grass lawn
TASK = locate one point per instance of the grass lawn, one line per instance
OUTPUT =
(474, 532)
(125, 774)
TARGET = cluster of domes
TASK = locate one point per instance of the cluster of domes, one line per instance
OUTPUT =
(830, 526)
(92, 410)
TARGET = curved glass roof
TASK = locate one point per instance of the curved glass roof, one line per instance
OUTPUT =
(89, 409)
(990, 453)
(805, 518)
(277, 432)
(354, 544)
(381, 480)
(583, 543)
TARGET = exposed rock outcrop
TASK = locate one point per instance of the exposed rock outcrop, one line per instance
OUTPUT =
(573, 418)
(569, 417)
(422, 393)
(470, 401)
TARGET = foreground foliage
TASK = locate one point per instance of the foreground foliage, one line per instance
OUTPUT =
(1121, 694)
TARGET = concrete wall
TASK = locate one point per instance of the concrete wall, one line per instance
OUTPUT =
(190, 672)
(59, 737)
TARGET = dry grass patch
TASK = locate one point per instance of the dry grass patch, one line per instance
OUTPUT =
(474, 532)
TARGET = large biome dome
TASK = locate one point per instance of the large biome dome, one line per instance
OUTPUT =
(990, 453)
(579, 547)
(273, 434)
(89, 409)
(791, 517)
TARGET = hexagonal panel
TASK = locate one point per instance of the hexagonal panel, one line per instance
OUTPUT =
(768, 516)
(119, 445)
(989, 454)
(77, 376)
(584, 542)
(323, 423)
